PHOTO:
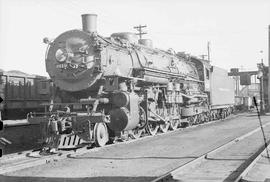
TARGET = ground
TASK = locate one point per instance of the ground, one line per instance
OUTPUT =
(142, 160)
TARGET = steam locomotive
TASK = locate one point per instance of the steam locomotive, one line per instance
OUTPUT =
(119, 86)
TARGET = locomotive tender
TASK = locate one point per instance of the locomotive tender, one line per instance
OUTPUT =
(120, 86)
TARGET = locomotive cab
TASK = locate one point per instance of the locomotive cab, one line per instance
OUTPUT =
(203, 68)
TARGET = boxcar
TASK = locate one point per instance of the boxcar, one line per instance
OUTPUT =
(22, 93)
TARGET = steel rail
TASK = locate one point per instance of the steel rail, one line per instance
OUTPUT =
(251, 165)
(193, 163)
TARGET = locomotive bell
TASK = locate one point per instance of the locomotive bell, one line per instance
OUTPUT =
(89, 23)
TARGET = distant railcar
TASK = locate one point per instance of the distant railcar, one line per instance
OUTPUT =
(22, 93)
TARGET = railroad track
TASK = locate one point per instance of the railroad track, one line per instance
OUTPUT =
(25, 159)
(262, 155)
(187, 170)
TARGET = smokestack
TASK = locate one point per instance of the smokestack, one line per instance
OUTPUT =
(89, 23)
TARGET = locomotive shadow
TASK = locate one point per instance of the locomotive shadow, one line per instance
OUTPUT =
(84, 179)
(22, 137)
(224, 159)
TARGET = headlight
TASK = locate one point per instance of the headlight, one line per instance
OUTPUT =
(60, 55)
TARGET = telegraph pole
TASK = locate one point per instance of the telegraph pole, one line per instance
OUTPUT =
(261, 78)
(139, 29)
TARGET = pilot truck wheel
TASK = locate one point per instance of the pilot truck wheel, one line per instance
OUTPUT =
(101, 134)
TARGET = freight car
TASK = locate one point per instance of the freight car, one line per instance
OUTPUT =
(22, 93)
(119, 87)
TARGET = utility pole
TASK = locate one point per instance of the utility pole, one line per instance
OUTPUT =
(260, 77)
(139, 29)
(208, 50)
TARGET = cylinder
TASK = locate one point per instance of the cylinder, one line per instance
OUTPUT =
(120, 119)
(89, 23)
(120, 99)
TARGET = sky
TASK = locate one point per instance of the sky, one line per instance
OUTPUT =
(236, 29)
